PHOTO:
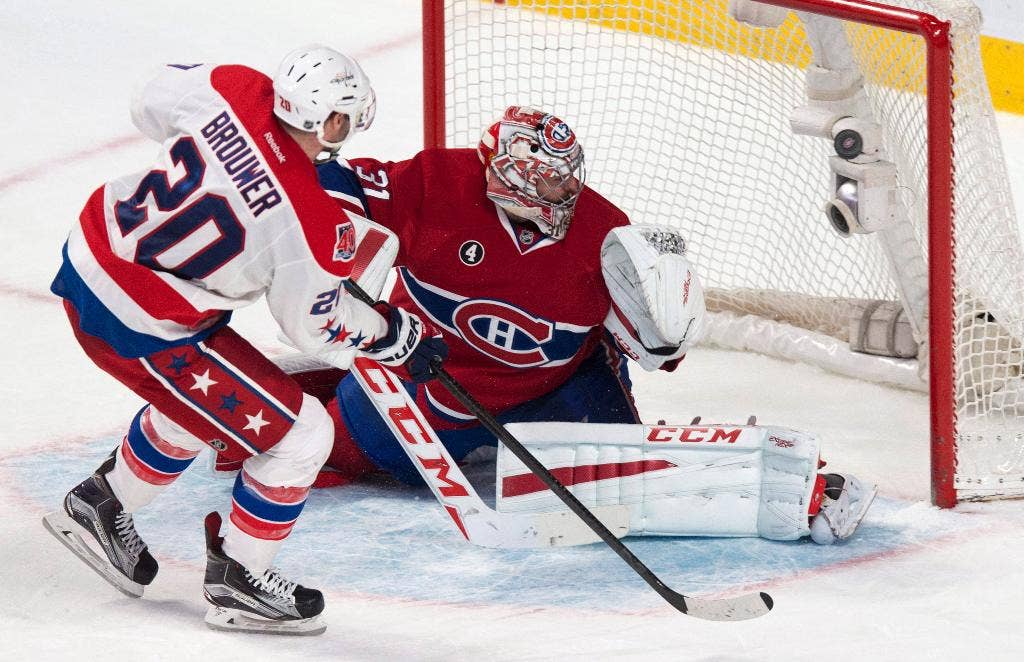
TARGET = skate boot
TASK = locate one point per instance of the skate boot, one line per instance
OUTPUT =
(241, 601)
(843, 506)
(95, 527)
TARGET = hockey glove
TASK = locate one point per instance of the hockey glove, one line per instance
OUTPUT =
(409, 346)
(658, 308)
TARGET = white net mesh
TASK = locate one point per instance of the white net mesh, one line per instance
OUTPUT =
(684, 114)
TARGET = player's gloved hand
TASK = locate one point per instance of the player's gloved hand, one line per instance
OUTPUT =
(410, 345)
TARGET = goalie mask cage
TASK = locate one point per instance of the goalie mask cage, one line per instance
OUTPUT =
(721, 127)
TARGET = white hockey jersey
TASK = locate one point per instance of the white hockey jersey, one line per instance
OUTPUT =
(231, 210)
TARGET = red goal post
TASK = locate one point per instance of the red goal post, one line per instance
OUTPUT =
(464, 41)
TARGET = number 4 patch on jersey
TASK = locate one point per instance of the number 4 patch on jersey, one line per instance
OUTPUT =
(471, 253)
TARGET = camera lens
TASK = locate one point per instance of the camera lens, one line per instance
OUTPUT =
(838, 220)
(848, 144)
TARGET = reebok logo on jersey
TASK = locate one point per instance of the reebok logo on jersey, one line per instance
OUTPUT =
(269, 137)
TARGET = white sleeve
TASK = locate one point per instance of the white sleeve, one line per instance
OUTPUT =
(158, 100)
(318, 316)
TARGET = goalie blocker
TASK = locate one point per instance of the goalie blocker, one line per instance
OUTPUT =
(696, 480)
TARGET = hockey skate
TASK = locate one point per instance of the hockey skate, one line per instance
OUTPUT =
(95, 527)
(843, 506)
(268, 604)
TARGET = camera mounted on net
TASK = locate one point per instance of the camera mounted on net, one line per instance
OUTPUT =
(862, 198)
(863, 184)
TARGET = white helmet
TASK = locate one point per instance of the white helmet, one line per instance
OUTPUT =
(315, 81)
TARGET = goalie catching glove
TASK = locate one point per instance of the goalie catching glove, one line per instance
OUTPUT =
(411, 344)
(657, 309)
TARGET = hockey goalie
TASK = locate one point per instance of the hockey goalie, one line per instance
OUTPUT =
(541, 289)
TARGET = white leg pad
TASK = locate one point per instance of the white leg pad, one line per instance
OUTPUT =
(698, 480)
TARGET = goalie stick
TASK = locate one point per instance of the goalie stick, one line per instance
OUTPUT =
(737, 608)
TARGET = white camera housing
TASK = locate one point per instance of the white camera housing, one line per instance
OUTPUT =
(863, 196)
(863, 193)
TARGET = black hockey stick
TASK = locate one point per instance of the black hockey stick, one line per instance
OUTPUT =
(723, 609)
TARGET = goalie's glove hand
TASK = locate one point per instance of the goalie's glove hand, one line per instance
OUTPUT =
(410, 346)
(658, 307)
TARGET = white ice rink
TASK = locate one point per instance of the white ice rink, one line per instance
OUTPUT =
(915, 584)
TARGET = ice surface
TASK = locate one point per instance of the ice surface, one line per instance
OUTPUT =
(915, 583)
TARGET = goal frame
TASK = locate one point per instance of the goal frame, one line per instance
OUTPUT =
(941, 249)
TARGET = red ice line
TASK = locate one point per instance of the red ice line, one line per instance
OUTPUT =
(33, 172)
(933, 544)
(25, 293)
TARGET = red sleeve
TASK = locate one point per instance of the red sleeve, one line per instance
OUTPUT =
(394, 193)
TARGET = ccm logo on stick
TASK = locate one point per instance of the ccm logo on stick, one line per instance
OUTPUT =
(411, 430)
(695, 435)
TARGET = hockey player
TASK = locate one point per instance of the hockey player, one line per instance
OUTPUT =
(232, 210)
(541, 288)
(519, 298)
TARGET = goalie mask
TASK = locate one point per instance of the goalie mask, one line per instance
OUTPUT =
(315, 81)
(534, 168)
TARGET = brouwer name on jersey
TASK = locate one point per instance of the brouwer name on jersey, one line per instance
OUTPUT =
(497, 329)
(242, 162)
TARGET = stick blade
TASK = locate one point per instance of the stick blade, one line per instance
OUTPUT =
(740, 608)
(561, 528)
(564, 528)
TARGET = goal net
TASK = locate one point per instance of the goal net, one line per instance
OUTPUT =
(834, 166)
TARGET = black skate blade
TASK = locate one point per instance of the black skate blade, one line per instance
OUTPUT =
(233, 620)
(68, 531)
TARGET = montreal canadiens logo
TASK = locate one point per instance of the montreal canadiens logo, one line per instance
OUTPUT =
(503, 332)
(498, 329)
(345, 244)
(558, 138)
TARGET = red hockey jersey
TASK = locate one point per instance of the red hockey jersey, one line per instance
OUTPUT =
(519, 311)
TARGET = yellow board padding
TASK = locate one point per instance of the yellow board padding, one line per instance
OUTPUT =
(1004, 68)
(705, 23)
(687, 23)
